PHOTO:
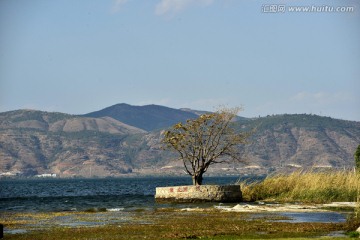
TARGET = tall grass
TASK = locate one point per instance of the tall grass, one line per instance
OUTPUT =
(316, 187)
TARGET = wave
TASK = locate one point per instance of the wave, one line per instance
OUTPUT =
(115, 209)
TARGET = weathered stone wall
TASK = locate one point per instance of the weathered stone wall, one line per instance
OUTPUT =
(203, 193)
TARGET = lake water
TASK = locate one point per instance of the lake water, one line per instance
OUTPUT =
(38, 195)
(123, 195)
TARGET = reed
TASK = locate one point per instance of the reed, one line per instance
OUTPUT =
(310, 186)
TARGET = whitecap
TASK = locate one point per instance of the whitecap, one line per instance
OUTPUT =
(115, 209)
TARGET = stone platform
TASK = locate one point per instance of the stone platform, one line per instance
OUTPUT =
(202, 193)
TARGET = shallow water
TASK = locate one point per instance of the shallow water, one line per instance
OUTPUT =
(43, 195)
(324, 217)
(121, 198)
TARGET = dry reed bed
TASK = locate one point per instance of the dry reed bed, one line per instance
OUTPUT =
(314, 187)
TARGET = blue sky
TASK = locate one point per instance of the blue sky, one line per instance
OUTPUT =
(81, 56)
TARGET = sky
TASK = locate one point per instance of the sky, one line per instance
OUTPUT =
(81, 56)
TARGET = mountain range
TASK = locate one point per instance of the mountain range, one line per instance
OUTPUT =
(149, 117)
(125, 140)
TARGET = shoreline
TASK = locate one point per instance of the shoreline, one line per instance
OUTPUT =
(288, 207)
(19, 225)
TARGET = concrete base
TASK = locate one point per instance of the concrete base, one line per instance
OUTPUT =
(203, 193)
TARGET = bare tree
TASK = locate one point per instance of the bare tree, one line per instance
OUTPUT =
(205, 141)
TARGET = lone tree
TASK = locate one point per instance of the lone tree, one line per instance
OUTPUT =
(205, 141)
(357, 158)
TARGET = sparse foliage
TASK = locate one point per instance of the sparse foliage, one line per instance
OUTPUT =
(357, 158)
(205, 141)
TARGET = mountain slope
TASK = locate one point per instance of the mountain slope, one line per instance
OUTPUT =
(149, 117)
(58, 122)
(35, 142)
(198, 113)
(302, 140)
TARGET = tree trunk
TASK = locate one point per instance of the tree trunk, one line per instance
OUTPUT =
(197, 179)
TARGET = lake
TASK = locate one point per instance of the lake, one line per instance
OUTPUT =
(121, 197)
(126, 194)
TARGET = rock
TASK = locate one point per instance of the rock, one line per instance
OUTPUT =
(203, 193)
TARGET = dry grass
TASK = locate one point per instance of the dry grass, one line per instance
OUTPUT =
(207, 224)
(315, 187)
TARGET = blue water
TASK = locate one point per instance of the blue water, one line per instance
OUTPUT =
(125, 195)
(38, 195)
(324, 217)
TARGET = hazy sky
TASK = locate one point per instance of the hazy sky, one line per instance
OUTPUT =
(84, 55)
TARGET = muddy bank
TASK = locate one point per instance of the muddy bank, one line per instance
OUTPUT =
(164, 223)
(286, 207)
(292, 213)
(21, 224)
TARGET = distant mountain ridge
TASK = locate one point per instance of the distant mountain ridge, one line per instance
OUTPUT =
(302, 140)
(60, 122)
(148, 117)
(36, 142)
